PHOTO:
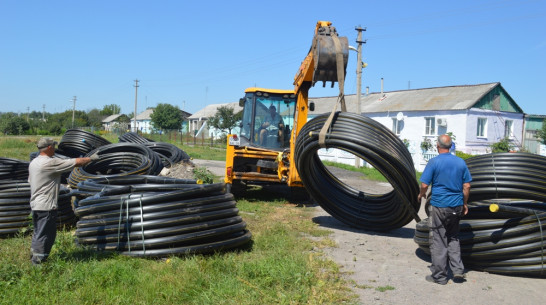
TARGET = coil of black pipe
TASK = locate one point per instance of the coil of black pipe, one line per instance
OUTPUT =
(372, 142)
(133, 137)
(119, 159)
(154, 216)
(76, 143)
(173, 153)
(13, 169)
(513, 240)
(508, 242)
(15, 207)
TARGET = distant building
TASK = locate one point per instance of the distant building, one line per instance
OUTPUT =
(533, 123)
(198, 121)
(477, 115)
(116, 121)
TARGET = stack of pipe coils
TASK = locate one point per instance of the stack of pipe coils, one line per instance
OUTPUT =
(15, 207)
(377, 145)
(13, 169)
(510, 238)
(133, 137)
(119, 159)
(77, 143)
(150, 216)
(168, 151)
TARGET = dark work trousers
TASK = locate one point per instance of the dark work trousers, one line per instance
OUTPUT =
(45, 231)
(444, 242)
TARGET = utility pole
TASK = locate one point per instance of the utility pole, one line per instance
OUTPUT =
(136, 95)
(73, 109)
(43, 112)
(359, 66)
(28, 113)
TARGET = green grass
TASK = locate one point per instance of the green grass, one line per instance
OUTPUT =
(280, 267)
(369, 173)
(18, 147)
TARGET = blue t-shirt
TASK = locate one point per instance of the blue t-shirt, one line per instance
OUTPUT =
(446, 173)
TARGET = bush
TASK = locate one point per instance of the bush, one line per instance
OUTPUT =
(463, 155)
(501, 146)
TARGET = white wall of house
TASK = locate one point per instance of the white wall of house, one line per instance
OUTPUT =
(143, 126)
(461, 123)
(494, 129)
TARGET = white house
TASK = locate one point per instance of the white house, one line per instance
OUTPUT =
(198, 121)
(477, 115)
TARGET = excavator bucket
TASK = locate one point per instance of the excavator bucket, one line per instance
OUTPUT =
(326, 60)
(329, 59)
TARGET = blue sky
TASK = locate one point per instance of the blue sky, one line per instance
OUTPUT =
(194, 53)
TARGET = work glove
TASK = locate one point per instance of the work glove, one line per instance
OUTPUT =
(95, 156)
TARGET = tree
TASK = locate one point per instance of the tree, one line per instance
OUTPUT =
(166, 116)
(12, 124)
(225, 118)
(110, 109)
(95, 117)
(542, 133)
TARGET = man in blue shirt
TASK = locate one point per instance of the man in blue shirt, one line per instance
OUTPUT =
(450, 180)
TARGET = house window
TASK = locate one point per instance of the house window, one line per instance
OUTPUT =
(396, 126)
(430, 126)
(481, 130)
(508, 128)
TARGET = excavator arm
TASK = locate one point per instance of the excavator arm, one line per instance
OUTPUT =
(325, 62)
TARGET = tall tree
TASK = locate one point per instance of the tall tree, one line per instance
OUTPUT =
(224, 119)
(167, 116)
(110, 109)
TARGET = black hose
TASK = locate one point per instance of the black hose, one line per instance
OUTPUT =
(371, 141)
(13, 169)
(76, 143)
(509, 242)
(133, 137)
(119, 159)
(512, 239)
(157, 216)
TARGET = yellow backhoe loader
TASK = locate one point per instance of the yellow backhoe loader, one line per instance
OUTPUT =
(263, 152)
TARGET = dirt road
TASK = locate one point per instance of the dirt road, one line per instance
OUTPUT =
(387, 268)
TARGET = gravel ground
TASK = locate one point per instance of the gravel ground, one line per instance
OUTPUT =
(388, 268)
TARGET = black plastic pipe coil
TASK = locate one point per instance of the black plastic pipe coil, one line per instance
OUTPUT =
(371, 141)
(133, 137)
(119, 159)
(15, 207)
(154, 216)
(513, 240)
(76, 143)
(13, 169)
(507, 242)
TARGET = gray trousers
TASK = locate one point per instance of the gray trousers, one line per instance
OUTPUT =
(444, 242)
(45, 232)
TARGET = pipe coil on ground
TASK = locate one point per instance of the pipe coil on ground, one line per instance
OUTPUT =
(509, 242)
(76, 143)
(173, 153)
(13, 169)
(508, 175)
(158, 216)
(133, 137)
(371, 141)
(513, 240)
(15, 207)
(119, 159)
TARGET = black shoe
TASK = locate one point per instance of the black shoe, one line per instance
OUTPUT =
(459, 278)
(430, 279)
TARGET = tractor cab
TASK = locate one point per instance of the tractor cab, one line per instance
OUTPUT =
(268, 117)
